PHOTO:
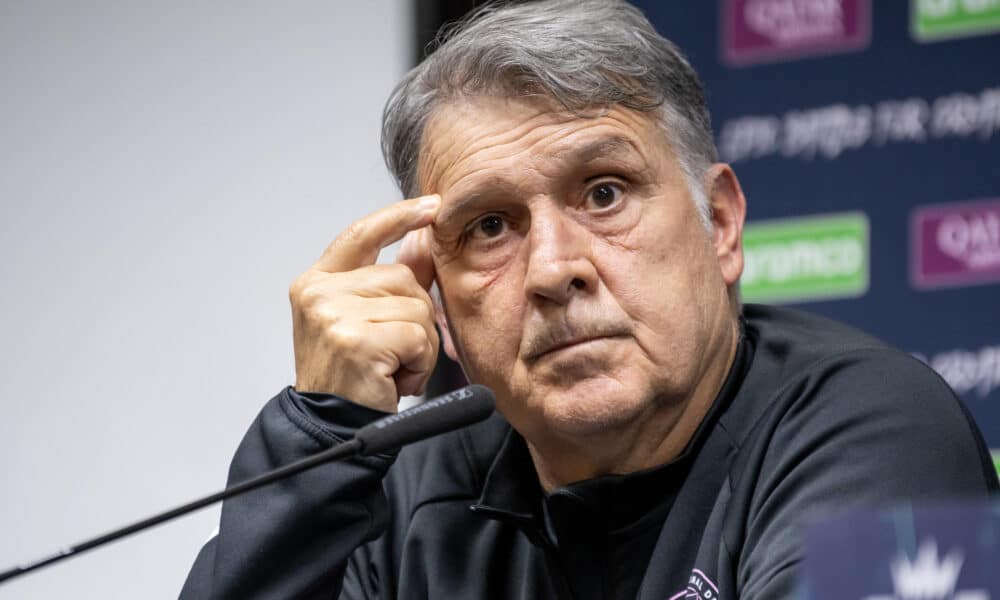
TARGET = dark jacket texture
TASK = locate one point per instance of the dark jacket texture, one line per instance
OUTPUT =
(813, 416)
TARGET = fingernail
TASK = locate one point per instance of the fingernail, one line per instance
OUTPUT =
(429, 204)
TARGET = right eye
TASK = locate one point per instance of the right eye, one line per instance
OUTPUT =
(489, 226)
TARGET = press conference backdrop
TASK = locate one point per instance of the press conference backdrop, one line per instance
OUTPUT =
(867, 139)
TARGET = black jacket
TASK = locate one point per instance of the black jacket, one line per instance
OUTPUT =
(813, 416)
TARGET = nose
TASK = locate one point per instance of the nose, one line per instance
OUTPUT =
(560, 263)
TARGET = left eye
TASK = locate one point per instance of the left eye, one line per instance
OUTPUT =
(604, 195)
(489, 226)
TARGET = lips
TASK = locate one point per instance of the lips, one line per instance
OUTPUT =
(553, 341)
(570, 344)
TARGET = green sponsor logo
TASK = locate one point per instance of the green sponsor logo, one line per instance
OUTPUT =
(810, 258)
(936, 19)
(996, 460)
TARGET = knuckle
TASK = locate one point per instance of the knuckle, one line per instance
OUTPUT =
(418, 333)
(309, 295)
(418, 339)
(420, 308)
(400, 272)
(295, 288)
(346, 337)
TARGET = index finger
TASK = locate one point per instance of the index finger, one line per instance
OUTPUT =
(359, 244)
(415, 252)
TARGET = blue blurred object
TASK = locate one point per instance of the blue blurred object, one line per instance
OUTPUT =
(926, 552)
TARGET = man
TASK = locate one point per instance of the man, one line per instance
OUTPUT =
(587, 250)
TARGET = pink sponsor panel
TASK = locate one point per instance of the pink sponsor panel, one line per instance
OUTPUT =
(756, 31)
(955, 244)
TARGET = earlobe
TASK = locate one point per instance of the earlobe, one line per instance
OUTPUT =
(442, 322)
(728, 213)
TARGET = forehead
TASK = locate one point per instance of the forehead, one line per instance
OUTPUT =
(489, 137)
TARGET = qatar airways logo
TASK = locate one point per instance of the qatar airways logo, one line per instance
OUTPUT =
(763, 30)
(929, 577)
(955, 244)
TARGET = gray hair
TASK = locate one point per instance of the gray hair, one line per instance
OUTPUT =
(585, 54)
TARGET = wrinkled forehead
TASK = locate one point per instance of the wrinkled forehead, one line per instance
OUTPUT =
(478, 137)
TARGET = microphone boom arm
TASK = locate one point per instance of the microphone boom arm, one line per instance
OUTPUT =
(457, 409)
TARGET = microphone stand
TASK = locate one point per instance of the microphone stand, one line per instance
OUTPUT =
(451, 411)
(342, 450)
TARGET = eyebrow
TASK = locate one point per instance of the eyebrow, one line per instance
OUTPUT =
(463, 204)
(615, 148)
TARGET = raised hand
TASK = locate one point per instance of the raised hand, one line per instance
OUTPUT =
(365, 331)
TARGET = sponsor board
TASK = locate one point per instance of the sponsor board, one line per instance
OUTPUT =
(955, 244)
(828, 131)
(933, 20)
(914, 551)
(755, 31)
(967, 371)
(806, 258)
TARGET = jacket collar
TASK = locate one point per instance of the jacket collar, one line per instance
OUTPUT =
(511, 490)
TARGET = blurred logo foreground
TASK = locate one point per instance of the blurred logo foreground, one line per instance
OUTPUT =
(938, 552)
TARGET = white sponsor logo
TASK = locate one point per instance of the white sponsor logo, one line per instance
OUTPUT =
(803, 259)
(828, 131)
(790, 21)
(967, 371)
(973, 240)
(928, 578)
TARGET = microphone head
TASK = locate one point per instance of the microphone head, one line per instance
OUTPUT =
(451, 411)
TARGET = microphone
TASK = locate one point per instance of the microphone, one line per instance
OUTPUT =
(451, 411)
(462, 407)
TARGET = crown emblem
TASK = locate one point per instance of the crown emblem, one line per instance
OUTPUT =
(927, 577)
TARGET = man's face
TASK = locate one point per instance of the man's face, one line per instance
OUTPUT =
(578, 281)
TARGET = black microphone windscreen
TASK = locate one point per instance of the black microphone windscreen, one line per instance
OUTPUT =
(454, 410)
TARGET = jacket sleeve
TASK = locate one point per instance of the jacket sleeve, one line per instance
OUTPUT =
(869, 430)
(294, 538)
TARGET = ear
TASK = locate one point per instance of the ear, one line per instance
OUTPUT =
(729, 209)
(442, 322)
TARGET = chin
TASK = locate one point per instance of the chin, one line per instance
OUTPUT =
(592, 407)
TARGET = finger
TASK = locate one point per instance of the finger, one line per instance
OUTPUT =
(415, 252)
(398, 308)
(359, 244)
(372, 282)
(409, 346)
(409, 383)
(392, 308)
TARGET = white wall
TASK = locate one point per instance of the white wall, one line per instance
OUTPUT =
(166, 169)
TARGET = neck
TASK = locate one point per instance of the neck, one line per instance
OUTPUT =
(652, 439)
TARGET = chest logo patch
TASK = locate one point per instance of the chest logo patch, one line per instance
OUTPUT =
(699, 587)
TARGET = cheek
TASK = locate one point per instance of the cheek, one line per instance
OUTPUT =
(485, 315)
(661, 278)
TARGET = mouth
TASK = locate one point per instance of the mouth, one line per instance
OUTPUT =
(570, 344)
